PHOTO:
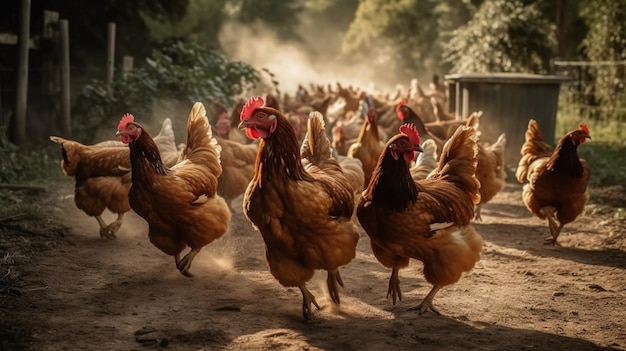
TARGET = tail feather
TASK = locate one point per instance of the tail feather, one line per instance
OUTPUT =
(457, 163)
(316, 147)
(533, 148)
(498, 147)
(201, 147)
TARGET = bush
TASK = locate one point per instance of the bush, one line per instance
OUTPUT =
(181, 72)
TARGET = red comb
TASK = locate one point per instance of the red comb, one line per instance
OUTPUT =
(252, 104)
(127, 118)
(584, 127)
(410, 131)
(399, 107)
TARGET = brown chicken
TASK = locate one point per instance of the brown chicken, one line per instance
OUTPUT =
(427, 220)
(237, 168)
(555, 180)
(102, 175)
(490, 171)
(180, 203)
(368, 146)
(300, 201)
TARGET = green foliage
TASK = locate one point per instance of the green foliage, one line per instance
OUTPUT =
(23, 166)
(398, 37)
(503, 36)
(606, 41)
(201, 23)
(605, 152)
(281, 15)
(180, 72)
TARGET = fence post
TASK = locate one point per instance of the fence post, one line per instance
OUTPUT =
(110, 52)
(127, 64)
(66, 125)
(22, 74)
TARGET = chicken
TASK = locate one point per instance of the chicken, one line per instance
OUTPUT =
(406, 114)
(102, 175)
(368, 146)
(426, 161)
(490, 171)
(555, 180)
(300, 201)
(180, 203)
(427, 220)
(237, 168)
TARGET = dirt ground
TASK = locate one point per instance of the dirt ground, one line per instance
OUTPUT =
(62, 287)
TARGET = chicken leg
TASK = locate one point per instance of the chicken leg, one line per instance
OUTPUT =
(307, 300)
(108, 231)
(477, 216)
(184, 264)
(427, 303)
(394, 286)
(333, 279)
(555, 228)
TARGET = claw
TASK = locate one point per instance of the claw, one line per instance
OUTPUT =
(107, 233)
(307, 300)
(427, 303)
(394, 286)
(184, 264)
(333, 279)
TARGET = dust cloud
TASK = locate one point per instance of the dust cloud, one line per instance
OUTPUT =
(294, 63)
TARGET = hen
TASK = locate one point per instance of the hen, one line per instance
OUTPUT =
(427, 220)
(490, 171)
(299, 200)
(102, 175)
(368, 146)
(180, 203)
(237, 168)
(555, 180)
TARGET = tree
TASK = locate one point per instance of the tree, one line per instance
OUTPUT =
(503, 36)
(280, 15)
(201, 24)
(606, 41)
(393, 36)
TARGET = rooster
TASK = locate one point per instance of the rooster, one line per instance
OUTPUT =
(555, 180)
(427, 220)
(179, 203)
(299, 200)
(102, 175)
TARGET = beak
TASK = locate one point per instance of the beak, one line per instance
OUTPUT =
(243, 124)
(418, 148)
(588, 136)
(118, 133)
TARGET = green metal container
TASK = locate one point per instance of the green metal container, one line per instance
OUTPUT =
(508, 101)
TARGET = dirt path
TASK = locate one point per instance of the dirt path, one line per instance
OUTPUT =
(62, 287)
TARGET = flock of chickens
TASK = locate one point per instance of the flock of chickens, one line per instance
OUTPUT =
(313, 168)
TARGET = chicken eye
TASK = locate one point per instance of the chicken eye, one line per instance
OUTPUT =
(261, 115)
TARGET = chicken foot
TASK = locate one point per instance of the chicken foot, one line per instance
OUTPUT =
(333, 279)
(184, 264)
(427, 303)
(394, 286)
(307, 300)
(555, 228)
(108, 231)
